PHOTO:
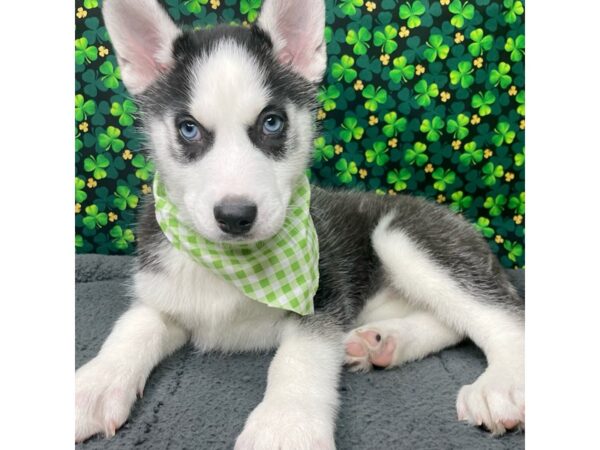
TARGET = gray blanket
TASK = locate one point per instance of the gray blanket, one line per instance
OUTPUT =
(200, 401)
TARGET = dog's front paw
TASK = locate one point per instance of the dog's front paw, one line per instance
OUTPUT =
(496, 400)
(103, 399)
(286, 426)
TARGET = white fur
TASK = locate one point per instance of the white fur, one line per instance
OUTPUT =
(228, 94)
(425, 310)
(106, 387)
(416, 333)
(218, 316)
(498, 332)
(303, 374)
(300, 404)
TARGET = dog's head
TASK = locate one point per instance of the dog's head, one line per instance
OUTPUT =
(228, 111)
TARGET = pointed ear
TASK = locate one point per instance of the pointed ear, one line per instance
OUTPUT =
(142, 34)
(297, 29)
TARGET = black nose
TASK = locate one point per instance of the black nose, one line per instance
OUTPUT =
(235, 215)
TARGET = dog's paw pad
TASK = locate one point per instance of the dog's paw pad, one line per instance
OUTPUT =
(367, 347)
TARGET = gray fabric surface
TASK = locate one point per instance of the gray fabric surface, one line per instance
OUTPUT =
(200, 401)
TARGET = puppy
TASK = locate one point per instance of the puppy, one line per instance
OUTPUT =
(229, 118)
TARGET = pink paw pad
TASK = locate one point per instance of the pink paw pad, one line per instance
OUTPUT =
(372, 337)
(383, 357)
(355, 349)
(510, 424)
(370, 346)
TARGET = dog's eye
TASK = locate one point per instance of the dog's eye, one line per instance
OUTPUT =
(189, 130)
(272, 124)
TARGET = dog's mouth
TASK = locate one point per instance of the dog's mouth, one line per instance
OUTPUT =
(231, 239)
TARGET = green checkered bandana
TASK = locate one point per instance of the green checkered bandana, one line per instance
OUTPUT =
(281, 272)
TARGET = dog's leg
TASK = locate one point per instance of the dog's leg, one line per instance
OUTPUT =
(300, 403)
(481, 307)
(392, 342)
(106, 386)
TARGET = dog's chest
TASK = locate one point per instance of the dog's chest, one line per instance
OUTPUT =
(217, 315)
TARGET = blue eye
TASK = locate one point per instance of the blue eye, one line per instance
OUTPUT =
(189, 131)
(272, 124)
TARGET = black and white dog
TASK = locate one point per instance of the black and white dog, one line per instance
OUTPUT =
(229, 113)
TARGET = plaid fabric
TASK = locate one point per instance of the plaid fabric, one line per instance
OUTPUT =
(281, 272)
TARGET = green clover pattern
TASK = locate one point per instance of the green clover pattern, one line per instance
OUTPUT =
(425, 97)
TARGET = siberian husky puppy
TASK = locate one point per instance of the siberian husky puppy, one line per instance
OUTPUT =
(229, 118)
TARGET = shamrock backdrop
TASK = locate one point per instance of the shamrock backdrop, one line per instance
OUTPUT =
(423, 97)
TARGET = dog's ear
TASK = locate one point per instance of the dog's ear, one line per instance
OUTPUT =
(142, 34)
(297, 29)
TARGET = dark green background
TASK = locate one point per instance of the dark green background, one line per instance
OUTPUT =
(407, 106)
